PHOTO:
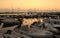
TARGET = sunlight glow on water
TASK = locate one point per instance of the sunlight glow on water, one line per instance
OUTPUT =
(30, 21)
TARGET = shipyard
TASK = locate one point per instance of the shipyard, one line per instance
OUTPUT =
(44, 25)
(29, 18)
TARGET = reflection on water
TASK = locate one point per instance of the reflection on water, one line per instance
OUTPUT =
(27, 22)
(31, 20)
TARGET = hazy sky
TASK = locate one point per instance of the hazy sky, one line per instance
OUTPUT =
(30, 4)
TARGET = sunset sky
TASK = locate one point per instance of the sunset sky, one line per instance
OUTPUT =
(30, 4)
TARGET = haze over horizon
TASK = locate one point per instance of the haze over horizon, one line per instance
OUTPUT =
(24, 5)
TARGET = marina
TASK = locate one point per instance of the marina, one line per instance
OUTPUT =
(37, 27)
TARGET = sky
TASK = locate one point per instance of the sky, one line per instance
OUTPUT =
(30, 4)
